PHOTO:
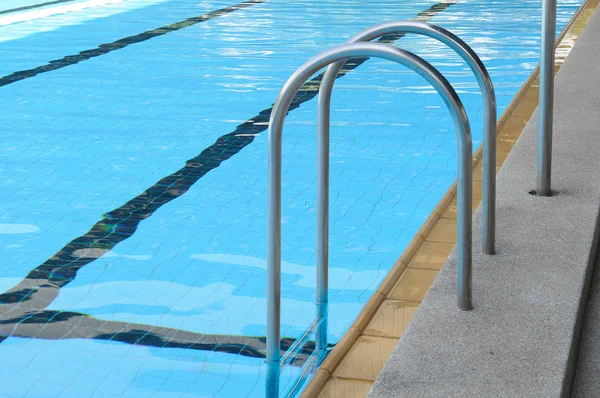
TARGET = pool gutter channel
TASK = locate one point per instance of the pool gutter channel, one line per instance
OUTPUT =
(327, 369)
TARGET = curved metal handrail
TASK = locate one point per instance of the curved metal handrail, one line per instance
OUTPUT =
(280, 109)
(489, 101)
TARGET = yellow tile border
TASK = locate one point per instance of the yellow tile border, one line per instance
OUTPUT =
(371, 353)
(341, 387)
(382, 326)
(508, 135)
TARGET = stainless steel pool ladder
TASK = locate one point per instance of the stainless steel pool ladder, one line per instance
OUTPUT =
(337, 56)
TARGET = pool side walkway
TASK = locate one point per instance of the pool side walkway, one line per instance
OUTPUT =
(522, 338)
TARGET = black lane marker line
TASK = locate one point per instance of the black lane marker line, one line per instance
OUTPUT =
(49, 3)
(122, 43)
(42, 284)
(63, 325)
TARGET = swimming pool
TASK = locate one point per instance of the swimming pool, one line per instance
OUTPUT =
(133, 209)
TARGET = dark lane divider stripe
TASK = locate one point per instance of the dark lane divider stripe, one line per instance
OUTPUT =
(28, 299)
(62, 325)
(25, 8)
(122, 43)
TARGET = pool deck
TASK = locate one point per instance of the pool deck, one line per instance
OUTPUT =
(445, 352)
(522, 338)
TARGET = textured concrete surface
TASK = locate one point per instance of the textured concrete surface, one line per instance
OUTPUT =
(522, 336)
(587, 370)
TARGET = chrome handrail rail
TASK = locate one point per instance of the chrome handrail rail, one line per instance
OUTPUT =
(489, 103)
(280, 109)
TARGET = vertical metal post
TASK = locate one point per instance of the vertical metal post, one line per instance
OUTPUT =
(323, 224)
(545, 109)
(464, 220)
(273, 357)
(280, 109)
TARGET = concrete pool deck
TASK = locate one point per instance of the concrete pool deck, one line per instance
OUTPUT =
(522, 338)
(420, 367)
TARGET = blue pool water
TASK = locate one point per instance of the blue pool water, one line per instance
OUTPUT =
(133, 208)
